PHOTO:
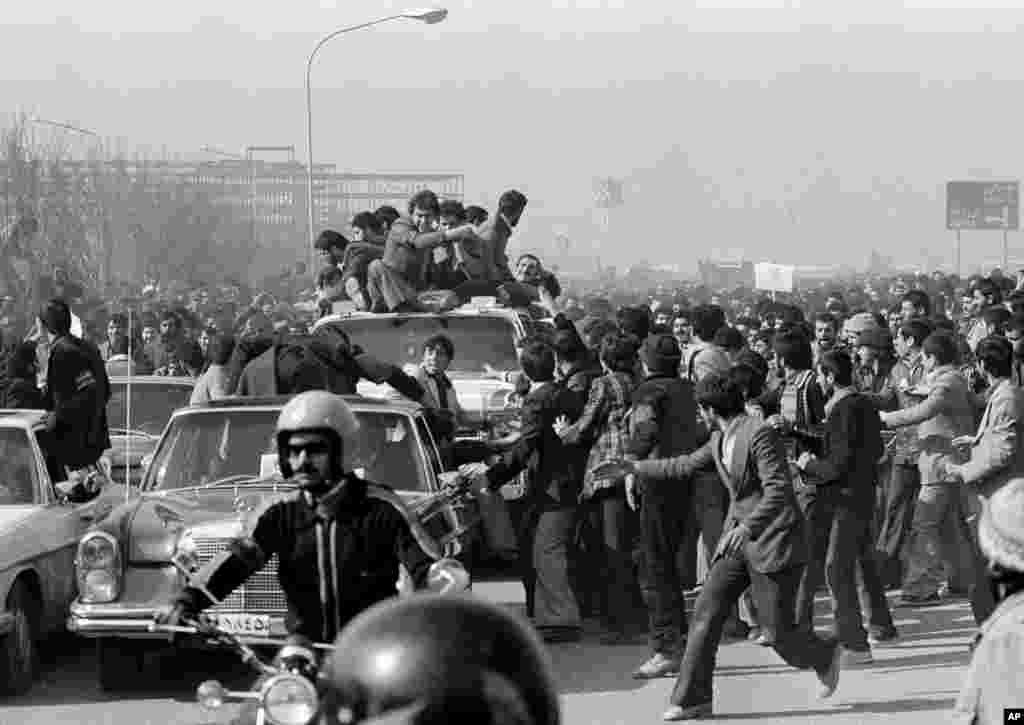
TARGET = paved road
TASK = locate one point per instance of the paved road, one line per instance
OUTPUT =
(913, 681)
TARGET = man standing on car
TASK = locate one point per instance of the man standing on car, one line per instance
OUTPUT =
(76, 396)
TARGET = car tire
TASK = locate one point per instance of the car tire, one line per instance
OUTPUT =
(119, 664)
(19, 651)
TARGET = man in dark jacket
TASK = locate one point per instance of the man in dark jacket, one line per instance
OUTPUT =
(361, 528)
(325, 360)
(77, 392)
(663, 425)
(553, 488)
(841, 538)
(577, 367)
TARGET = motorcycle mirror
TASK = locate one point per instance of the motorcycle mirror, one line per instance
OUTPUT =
(448, 576)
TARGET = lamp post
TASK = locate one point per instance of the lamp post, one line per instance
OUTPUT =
(426, 15)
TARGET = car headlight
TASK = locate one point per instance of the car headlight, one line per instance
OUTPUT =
(98, 568)
(289, 700)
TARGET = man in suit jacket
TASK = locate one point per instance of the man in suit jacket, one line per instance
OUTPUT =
(763, 546)
(553, 488)
(438, 392)
(997, 454)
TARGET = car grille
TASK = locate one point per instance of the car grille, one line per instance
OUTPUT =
(260, 593)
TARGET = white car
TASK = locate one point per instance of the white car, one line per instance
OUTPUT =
(39, 534)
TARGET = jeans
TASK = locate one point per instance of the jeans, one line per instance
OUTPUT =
(663, 507)
(841, 548)
(939, 519)
(773, 596)
(611, 526)
(706, 518)
(545, 537)
(817, 508)
(982, 592)
(901, 491)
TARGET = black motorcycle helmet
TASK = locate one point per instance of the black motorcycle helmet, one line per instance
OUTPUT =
(428, 660)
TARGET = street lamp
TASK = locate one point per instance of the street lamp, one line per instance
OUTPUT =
(425, 15)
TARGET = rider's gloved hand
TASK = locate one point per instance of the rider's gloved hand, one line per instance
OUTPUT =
(180, 612)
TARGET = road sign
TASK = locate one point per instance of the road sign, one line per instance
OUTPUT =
(983, 205)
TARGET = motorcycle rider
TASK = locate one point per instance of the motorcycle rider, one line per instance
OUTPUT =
(339, 539)
(460, 659)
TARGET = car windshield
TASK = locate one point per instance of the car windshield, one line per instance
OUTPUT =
(203, 447)
(479, 341)
(152, 405)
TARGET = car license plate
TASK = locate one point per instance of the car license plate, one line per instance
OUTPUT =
(251, 624)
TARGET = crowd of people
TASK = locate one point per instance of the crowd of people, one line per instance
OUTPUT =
(756, 446)
(849, 445)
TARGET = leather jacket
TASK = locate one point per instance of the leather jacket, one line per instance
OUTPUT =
(337, 556)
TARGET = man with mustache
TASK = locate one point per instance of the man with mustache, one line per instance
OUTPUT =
(340, 542)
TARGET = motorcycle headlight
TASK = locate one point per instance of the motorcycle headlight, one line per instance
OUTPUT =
(98, 568)
(289, 700)
(211, 695)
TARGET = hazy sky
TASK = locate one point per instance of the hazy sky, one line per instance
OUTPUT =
(785, 131)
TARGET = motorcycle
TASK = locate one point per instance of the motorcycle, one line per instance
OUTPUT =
(286, 691)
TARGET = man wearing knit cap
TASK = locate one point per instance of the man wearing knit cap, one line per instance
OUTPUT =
(992, 684)
(663, 424)
(872, 365)
(857, 324)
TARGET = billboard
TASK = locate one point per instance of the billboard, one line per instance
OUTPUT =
(983, 205)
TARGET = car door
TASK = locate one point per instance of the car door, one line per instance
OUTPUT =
(58, 527)
(467, 514)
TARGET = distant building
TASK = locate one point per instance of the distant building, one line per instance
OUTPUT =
(271, 196)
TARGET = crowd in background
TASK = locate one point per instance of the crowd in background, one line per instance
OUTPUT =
(883, 391)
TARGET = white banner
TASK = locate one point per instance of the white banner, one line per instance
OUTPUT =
(773, 277)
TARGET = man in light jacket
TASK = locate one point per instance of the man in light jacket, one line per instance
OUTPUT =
(997, 454)
(946, 413)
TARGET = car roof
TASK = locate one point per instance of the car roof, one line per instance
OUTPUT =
(174, 380)
(357, 402)
(465, 311)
